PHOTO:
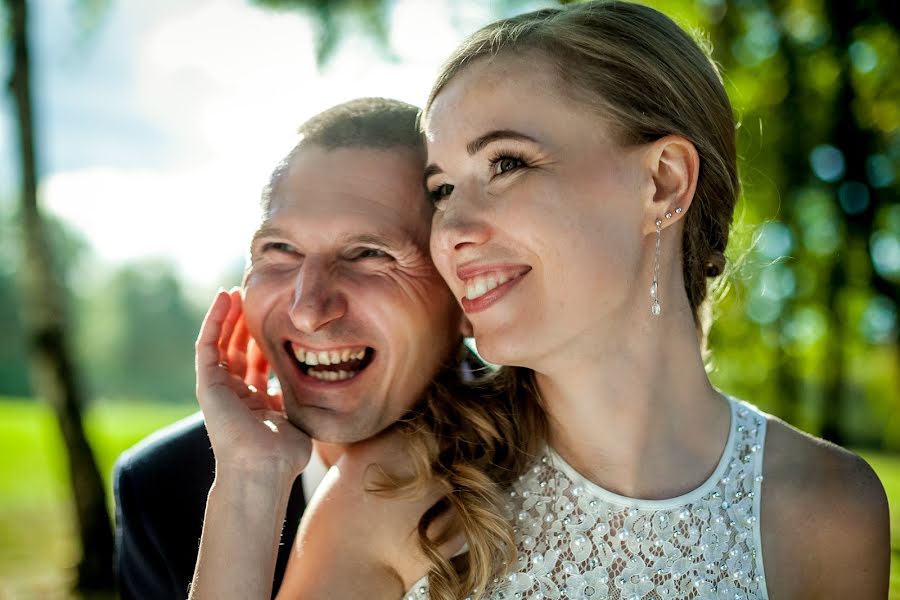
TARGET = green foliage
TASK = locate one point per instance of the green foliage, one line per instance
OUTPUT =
(70, 251)
(134, 328)
(137, 332)
(809, 327)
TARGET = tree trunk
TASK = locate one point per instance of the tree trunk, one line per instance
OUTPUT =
(52, 368)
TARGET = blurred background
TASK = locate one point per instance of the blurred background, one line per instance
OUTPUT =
(135, 138)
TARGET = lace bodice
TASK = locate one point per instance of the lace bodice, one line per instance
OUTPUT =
(577, 540)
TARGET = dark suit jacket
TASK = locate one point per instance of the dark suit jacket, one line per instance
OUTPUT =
(161, 486)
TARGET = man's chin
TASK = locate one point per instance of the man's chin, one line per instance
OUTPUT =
(333, 428)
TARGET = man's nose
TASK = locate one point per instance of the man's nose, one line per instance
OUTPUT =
(317, 301)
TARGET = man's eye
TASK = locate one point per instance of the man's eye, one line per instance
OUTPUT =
(506, 163)
(279, 247)
(370, 253)
(440, 192)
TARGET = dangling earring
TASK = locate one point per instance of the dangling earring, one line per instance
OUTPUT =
(655, 308)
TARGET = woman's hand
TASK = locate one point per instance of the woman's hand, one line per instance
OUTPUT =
(247, 427)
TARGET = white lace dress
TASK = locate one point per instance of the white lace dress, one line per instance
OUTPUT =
(577, 540)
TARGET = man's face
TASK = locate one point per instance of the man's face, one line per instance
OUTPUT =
(342, 294)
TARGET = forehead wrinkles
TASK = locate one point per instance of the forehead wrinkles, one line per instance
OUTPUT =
(326, 225)
(354, 196)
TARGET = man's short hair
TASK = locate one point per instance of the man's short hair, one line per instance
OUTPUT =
(376, 123)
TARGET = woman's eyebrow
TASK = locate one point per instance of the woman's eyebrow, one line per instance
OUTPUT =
(479, 143)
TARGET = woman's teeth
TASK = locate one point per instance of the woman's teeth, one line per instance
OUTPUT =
(482, 284)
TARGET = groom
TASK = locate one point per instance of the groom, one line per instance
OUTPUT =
(348, 197)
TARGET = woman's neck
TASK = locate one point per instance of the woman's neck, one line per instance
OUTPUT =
(633, 410)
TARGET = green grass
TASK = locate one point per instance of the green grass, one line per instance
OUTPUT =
(37, 537)
(37, 543)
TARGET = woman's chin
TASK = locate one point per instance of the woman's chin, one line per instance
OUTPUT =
(501, 351)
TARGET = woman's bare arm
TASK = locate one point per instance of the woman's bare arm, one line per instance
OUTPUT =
(825, 524)
(241, 531)
(258, 457)
(355, 543)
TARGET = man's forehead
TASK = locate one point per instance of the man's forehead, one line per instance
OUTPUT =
(344, 220)
(353, 191)
(339, 229)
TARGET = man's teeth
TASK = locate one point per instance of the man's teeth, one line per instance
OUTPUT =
(332, 375)
(482, 284)
(333, 357)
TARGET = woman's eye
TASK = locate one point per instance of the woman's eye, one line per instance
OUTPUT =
(440, 192)
(505, 164)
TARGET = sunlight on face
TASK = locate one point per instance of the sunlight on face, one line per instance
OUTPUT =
(340, 270)
(538, 222)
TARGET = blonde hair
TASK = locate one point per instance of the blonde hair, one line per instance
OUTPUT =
(472, 439)
(647, 78)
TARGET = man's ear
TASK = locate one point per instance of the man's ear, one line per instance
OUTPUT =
(465, 327)
(674, 165)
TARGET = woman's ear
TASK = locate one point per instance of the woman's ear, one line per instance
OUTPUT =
(674, 165)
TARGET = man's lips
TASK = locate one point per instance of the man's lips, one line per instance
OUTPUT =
(335, 364)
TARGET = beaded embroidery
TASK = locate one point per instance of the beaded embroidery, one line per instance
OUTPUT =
(578, 541)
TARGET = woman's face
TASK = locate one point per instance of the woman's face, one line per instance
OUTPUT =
(542, 227)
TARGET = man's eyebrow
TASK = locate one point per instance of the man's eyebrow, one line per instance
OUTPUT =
(268, 231)
(478, 144)
(372, 239)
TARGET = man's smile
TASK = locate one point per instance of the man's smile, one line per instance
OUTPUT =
(338, 363)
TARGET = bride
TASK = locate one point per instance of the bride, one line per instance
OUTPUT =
(582, 163)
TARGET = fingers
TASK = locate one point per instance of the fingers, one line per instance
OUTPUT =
(228, 324)
(275, 402)
(257, 373)
(237, 348)
(207, 356)
(256, 401)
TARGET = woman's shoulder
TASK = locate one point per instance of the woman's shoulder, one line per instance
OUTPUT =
(822, 506)
(350, 526)
(361, 486)
(817, 471)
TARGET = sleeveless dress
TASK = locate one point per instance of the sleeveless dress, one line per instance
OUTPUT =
(577, 540)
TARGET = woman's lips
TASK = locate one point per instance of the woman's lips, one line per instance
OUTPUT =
(485, 289)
